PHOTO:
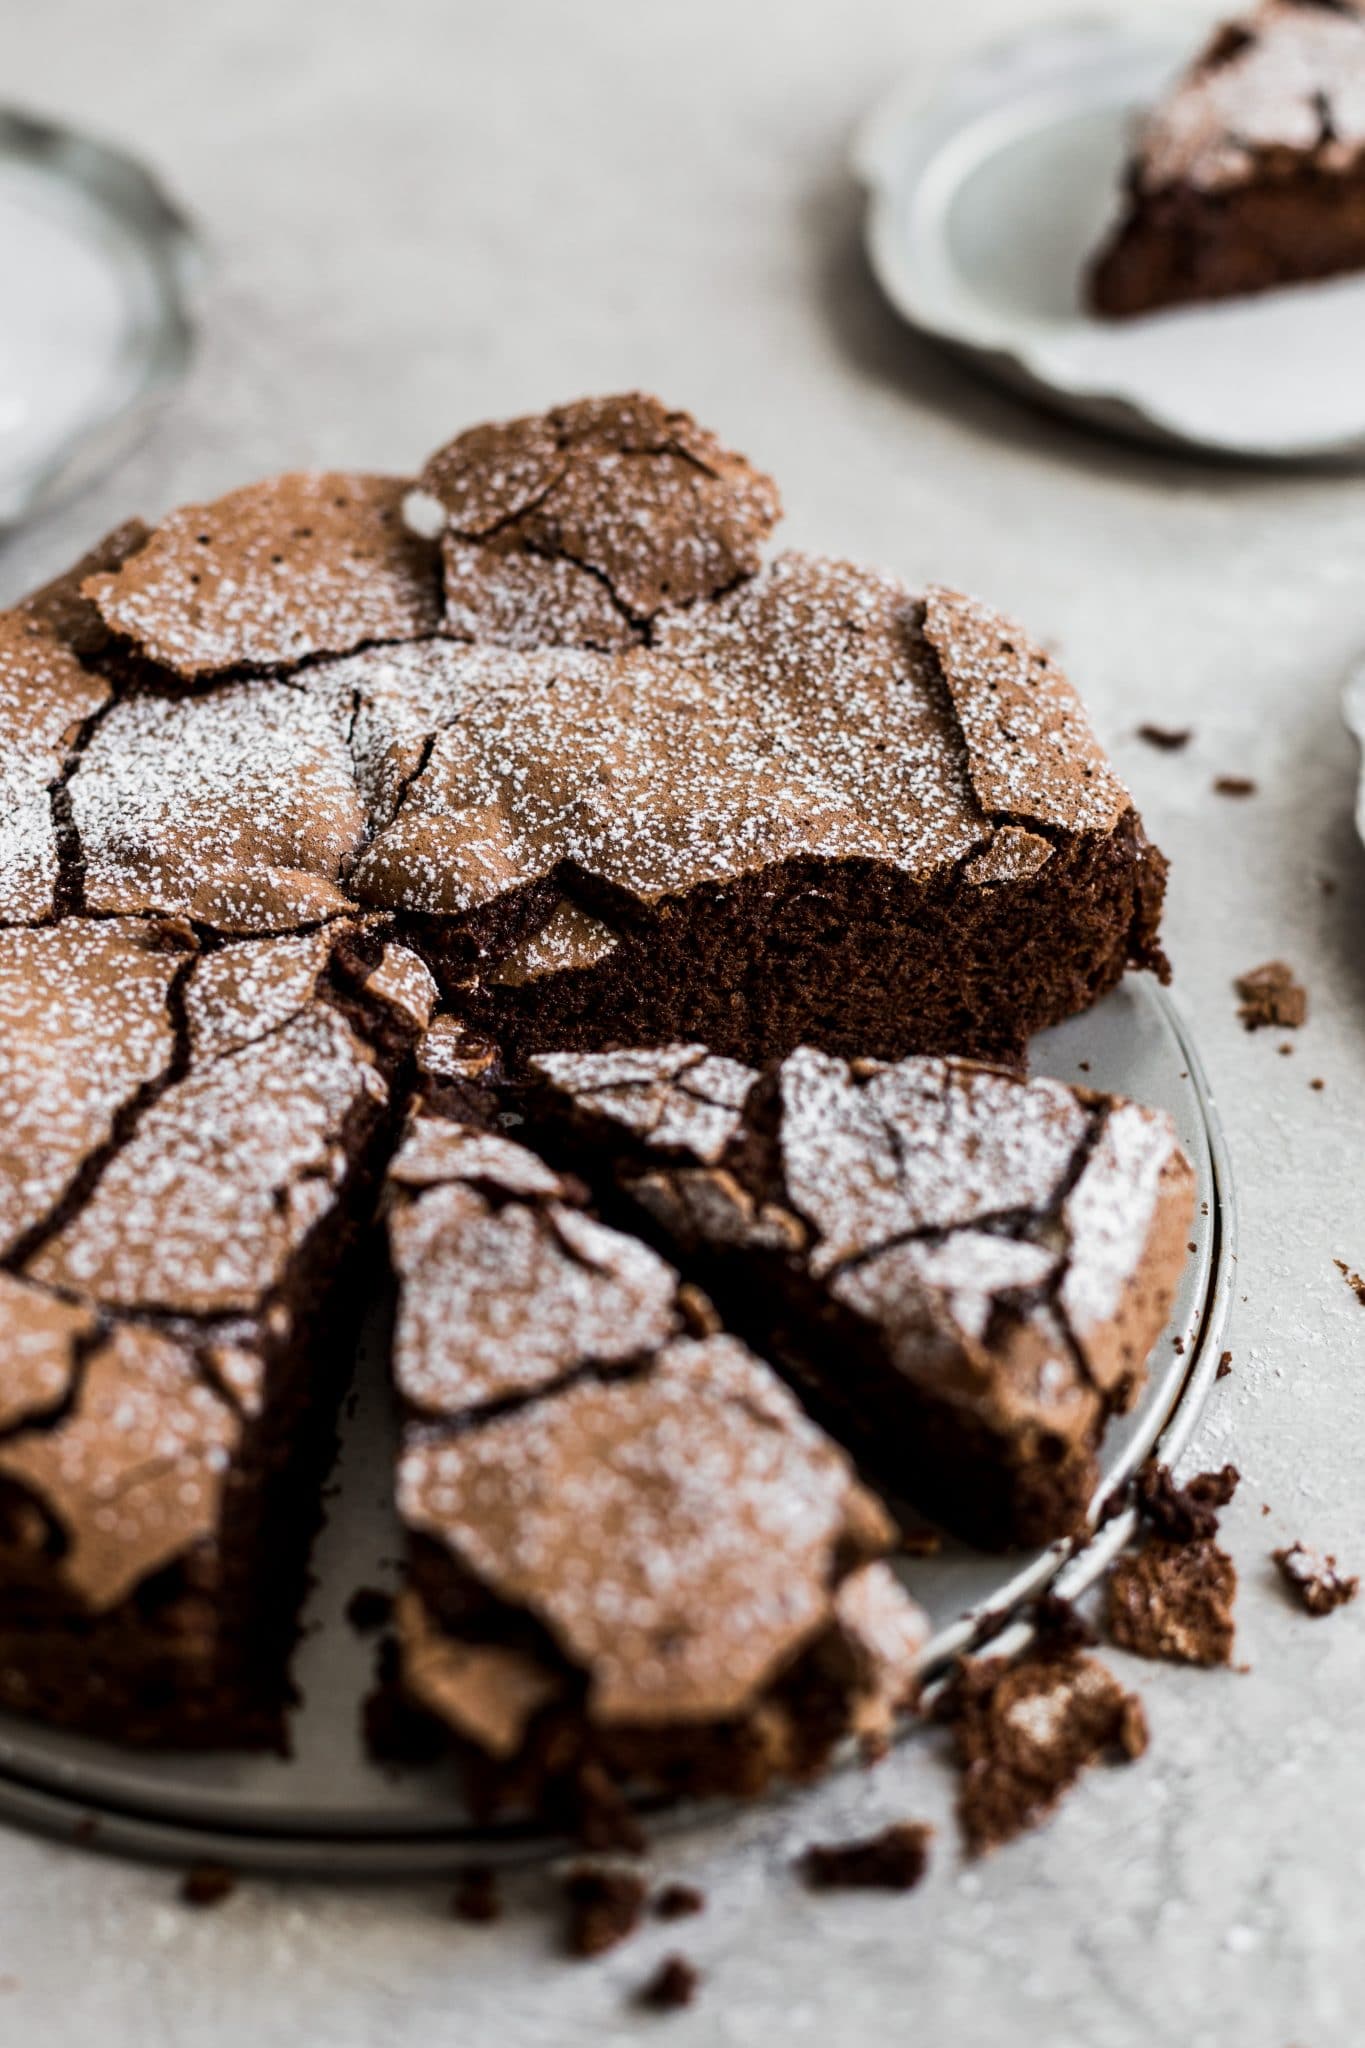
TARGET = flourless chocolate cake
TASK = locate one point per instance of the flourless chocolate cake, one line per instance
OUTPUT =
(634, 1562)
(546, 739)
(962, 1272)
(1250, 174)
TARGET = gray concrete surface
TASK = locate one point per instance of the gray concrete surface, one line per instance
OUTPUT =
(426, 212)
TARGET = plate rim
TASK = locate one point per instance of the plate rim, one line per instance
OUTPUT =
(122, 187)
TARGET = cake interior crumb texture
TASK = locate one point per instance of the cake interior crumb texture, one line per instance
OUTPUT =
(329, 809)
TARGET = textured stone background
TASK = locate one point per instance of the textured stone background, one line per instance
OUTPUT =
(431, 211)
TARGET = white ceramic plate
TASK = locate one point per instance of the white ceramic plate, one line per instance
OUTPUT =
(96, 328)
(328, 1808)
(986, 202)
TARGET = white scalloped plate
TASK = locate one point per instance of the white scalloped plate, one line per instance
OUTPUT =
(987, 200)
(330, 1810)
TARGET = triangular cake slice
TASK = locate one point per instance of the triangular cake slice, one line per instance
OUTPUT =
(634, 1562)
(962, 1272)
(1251, 173)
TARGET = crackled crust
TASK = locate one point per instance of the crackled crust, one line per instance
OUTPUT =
(952, 1257)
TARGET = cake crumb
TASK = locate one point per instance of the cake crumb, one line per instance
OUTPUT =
(1024, 1731)
(893, 1861)
(368, 1609)
(1317, 1084)
(1060, 1626)
(1352, 1279)
(207, 1884)
(1234, 785)
(1316, 1582)
(605, 1906)
(1271, 997)
(1224, 1365)
(1183, 1514)
(677, 1901)
(1173, 1600)
(674, 1984)
(1169, 738)
(475, 1897)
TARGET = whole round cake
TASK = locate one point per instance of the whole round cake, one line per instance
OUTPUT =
(350, 823)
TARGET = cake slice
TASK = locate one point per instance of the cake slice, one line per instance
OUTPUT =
(634, 1564)
(962, 1272)
(192, 1144)
(1251, 173)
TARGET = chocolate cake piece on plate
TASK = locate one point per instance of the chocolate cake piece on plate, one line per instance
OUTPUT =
(814, 808)
(1251, 172)
(634, 1563)
(192, 1141)
(962, 1272)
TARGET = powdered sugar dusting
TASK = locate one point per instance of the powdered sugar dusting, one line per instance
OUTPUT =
(676, 1097)
(273, 573)
(223, 1177)
(237, 807)
(676, 1533)
(1283, 77)
(86, 1027)
(501, 1300)
(1108, 1214)
(134, 1474)
(925, 1144)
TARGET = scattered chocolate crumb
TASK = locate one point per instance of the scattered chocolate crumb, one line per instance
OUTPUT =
(1182, 1514)
(1317, 1083)
(677, 1901)
(207, 1884)
(1173, 1600)
(1084, 1066)
(1327, 884)
(921, 1542)
(1060, 1627)
(1265, 1507)
(368, 1608)
(1178, 1343)
(603, 1819)
(1271, 997)
(1234, 785)
(1286, 1050)
(1353, 1280)
(475, 1897)
(1319, 1586)
(1024, 1731)
(1169, 738)
(674, 1984)
(893, 1861)
(605, 1906)
(1224, 1365)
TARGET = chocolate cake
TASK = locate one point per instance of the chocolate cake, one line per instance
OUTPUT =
(634, 1562)
(962, 1272)
(1250, 174)
(541, 737)
(191, 1142)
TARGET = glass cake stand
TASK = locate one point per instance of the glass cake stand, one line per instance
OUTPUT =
(328, 1809)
